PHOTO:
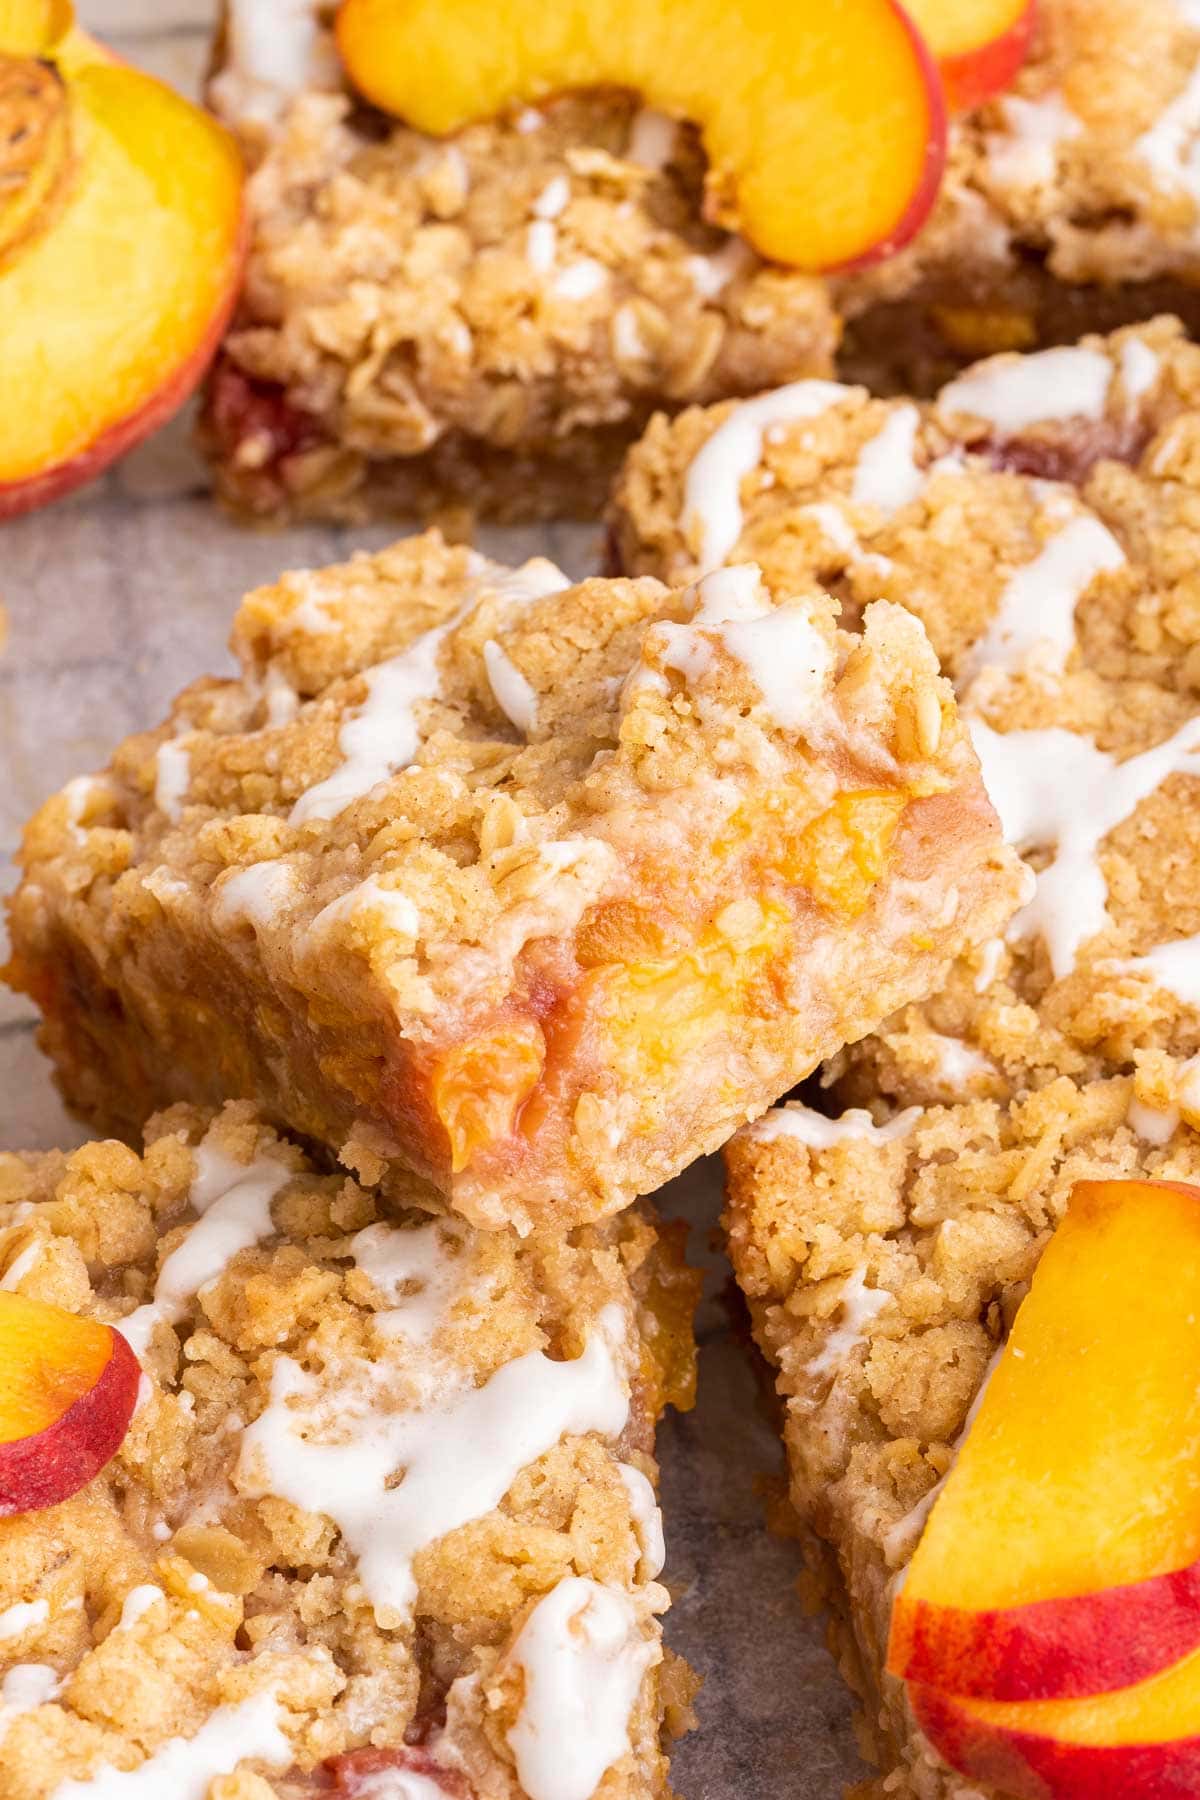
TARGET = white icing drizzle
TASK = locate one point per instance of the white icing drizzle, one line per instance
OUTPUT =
(370, 896)
(414, 1274)
(836, 527)
(77, 794)
(1035, 620)
(255, 895)
(779, 646)
(712, 501)
(1174, 966)
(172, 778)
(184, 1768)
(24, 1688)
(274, 49)
(541, 245)
(460, 1455)
(712, 274)
(20, 1265)
(958, 1063)
(1152, 1125)
(18, 1619)
(647, 1519)
(886, 475)
(514, 695)
(1012, 393)
(1025, 154)
(553, 198)
(137, 1603)
(382, 735)
(1054, 790)
(651, 139)
(990, 957)
(819, 1133)
(580, 279)
(1139, 368)
(233, 1204)
(1170, 149)
(857, 1306)
(583, 1659)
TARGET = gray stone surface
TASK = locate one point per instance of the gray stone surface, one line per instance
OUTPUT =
(114, 599)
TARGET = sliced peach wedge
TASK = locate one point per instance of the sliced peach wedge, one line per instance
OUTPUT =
(67, 1391)
(120, 250)
(824, 125)
(1142, 1743)
(1062, 1558)
(979, 44)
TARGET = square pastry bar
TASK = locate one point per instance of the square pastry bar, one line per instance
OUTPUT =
(885, 1252)
(534, 891)
(1002, 1484)
(488, 318)
(1042, 518)
(1070, 202)
(213, 1582)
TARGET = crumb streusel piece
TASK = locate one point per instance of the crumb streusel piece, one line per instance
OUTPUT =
(536, 891)
(245, 1597)
(1071, 203)
(488, 319)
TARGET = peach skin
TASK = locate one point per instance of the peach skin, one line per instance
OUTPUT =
(120, 191)
(1140, 1743)
(67, 1392)
(1062, 1558)
(850, 87)
(979, 44)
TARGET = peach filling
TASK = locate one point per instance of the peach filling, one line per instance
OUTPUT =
(480, 1085)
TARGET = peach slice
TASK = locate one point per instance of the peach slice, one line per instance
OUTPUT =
(979, 44)
(1141, 1743)
(1062, 1558)
(120, 248)
(824, 125)
(67, 1392)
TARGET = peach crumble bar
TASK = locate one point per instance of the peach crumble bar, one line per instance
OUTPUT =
(487, 319)
(245, 1603)
(534, 891)
(1043, 519)
(1070, 203)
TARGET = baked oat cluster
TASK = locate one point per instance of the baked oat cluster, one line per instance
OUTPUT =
(246, 1603)
(534, 891)
(486, 320)
(1043, 522)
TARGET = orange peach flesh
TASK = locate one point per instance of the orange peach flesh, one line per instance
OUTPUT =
(67, 1392)
(652, 1009)
(1058, 1560)
(151, 227)
(846, 87)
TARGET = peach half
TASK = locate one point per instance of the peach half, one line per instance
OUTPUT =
(121, 237)
(67, 1391)
(979, 44)
(1141, 1743)
(1062, 1557)
(824, 125)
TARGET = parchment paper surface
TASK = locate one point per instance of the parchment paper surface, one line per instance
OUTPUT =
(115, 598)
